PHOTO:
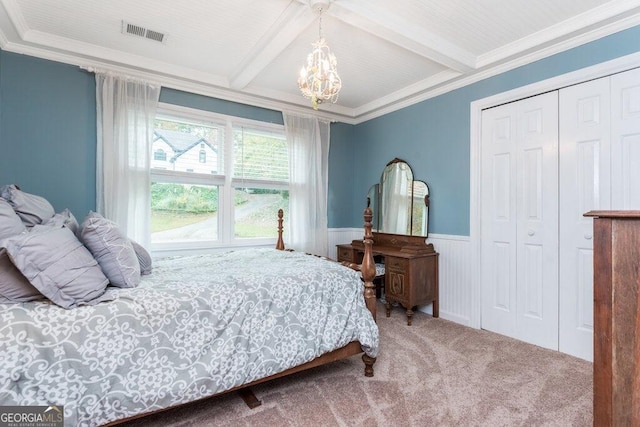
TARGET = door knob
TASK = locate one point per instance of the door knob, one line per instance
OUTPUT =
(531, 232)
(588, 236)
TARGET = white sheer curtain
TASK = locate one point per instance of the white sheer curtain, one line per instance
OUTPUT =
(308, 140)
(126, 111)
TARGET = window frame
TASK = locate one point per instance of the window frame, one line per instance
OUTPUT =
(225, 181)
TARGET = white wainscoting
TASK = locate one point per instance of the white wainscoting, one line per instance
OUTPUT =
(338, 236)
(454, 268)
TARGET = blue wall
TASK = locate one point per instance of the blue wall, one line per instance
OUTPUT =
(48, 134)
(341, 185)
(200, 102)
(434, 136)
(48, 128)
(48, 131)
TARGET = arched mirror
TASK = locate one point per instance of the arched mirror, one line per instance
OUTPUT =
(400, 204)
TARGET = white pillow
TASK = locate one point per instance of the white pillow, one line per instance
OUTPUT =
(58, 265)
(112, 249)
(10, 222)
(31, 209)
(64, 218)
(14, 287)
(144, 259)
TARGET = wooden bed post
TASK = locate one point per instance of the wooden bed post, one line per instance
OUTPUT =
(368, 267)
(368, 271)
(280, 242)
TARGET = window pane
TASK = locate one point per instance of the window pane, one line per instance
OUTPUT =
(183, 212)
(256, 211)
(260, 155)
(188, 147)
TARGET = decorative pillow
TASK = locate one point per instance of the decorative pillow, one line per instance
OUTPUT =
(144, 259)
(112, 249)
(14, 287)
(58, 265)
(30, 208)
(64, 218)
(10, 222)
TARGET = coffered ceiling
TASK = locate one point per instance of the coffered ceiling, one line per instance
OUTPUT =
(390, 53)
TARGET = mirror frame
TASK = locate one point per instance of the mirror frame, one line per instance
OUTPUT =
(374, 200)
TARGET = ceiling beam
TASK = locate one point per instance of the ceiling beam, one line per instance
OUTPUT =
(291, 22)
(390, 27)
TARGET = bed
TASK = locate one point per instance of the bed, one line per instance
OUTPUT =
(197, 327)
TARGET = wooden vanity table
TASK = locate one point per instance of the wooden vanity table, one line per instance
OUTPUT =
(400, 221)
(411, 269)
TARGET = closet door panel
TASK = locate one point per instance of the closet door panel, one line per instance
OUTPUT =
(584, 186)
(537, 220)
(499, 220)
(519, 220)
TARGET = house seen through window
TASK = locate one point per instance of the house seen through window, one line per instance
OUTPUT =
(219, 181)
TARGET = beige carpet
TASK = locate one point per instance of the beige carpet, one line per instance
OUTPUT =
(433, 373)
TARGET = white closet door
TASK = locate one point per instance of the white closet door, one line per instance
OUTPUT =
(537, 224)
(625, 140)
(498, 231)
(520, 220)
(584, 185)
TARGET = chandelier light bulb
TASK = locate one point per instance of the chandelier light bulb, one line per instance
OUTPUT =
(319, 79)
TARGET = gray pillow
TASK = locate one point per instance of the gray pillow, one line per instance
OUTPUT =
(112, 249)
(10, 222)
(64, 218)
(144, 259)
(30, 208)
(58, 265)
(14, 287)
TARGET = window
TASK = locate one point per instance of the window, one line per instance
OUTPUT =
(160, 155)
(260, 180)
(227, 180)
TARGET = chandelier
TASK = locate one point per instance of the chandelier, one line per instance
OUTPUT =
(319, 79)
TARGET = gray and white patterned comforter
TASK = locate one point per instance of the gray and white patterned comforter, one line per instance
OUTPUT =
(195, 327)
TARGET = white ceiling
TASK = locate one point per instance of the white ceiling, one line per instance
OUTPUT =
(391, 53)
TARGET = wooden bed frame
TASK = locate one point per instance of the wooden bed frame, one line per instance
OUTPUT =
(368, 271)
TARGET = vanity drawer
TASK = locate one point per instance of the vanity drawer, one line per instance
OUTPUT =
(349, 254)
(345, 254)
(396, 265)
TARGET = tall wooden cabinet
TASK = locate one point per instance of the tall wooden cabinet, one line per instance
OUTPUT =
(616, 282)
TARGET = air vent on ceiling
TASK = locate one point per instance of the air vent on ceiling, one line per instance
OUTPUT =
(137, 30)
